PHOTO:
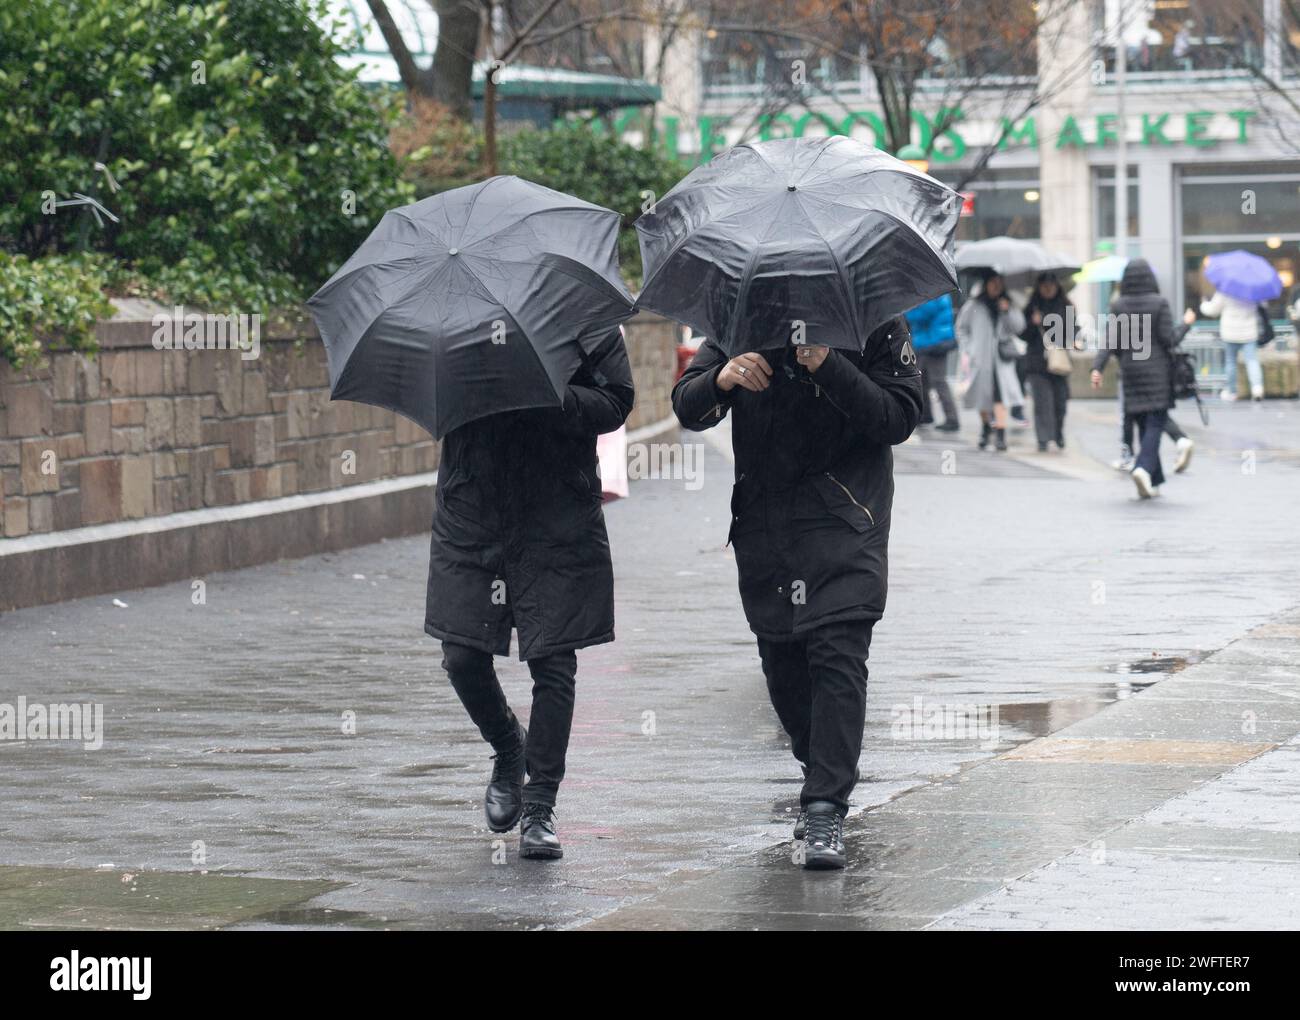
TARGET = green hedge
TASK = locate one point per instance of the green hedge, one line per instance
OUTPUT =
(596, 168)
(43, 299)
(229, 126)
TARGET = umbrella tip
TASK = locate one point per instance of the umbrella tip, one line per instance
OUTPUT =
(453, 251)
(789, 187)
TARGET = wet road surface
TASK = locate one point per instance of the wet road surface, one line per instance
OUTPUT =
(1116, 686)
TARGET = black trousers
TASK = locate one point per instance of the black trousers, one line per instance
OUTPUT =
(1151, 426)
(934, 376)
(1051, 394)
(554, 681)
(818, 686)
(1171, 427)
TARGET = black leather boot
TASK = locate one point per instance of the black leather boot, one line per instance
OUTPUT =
(801, 821)
(504, 800)
(986, 430)
(1001, 443)
(823, 845)
(800, 825)
(537, 838)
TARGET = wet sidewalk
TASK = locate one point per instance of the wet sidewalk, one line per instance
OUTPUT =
(289, 754)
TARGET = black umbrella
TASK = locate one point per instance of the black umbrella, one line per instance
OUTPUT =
(478, 300)
(827, 232)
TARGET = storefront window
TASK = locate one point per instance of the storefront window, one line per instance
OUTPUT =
(1163, 37)
(1105, 184)
(1258, 212)
(932, 41)
(1006, 202)
(753, 60)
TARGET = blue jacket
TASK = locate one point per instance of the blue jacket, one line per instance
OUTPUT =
(931, 322)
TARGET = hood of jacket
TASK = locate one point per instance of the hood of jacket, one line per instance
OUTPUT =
(1138, 278)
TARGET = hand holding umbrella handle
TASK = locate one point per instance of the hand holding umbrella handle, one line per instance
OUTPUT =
(749, 371)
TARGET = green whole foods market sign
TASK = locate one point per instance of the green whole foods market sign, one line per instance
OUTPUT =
(941, 134)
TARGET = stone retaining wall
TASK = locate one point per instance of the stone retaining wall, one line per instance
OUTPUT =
(139, 466)
(136, 432)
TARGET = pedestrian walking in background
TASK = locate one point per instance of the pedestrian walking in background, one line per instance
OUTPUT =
(933, 338)
(988, 329)
(1048, 367)
(1239, 331)
(1143, 347)
(1183, 443)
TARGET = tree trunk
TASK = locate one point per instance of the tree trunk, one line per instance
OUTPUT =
(490, 123)
(453, 61)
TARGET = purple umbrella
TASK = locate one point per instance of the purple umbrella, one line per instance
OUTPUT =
(1244, 276)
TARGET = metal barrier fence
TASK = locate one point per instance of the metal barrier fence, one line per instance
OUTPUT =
(1207, 352)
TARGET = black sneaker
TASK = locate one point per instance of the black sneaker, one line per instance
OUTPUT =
(948, 426)
(504, 800)
(823, 846)
(537, 838)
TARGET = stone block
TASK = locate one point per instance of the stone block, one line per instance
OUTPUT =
(159, 423)
(98, 428)
(101, 490)
(137, 487)
(15, 516)
(40, 466)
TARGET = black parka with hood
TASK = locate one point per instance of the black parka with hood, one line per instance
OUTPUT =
(1141, 336)
(518, 534)
(814, 480)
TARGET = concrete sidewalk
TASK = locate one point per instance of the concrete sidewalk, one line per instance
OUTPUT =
(230, 792)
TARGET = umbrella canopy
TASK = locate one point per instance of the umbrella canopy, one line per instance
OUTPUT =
(1243, 275)
(1018, 262)
(1107, 269)
(829, 233)
(474, 301)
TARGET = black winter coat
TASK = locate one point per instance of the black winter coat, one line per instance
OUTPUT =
(1143, 342)
(814, 477)
(1032, 334)
(518, 534)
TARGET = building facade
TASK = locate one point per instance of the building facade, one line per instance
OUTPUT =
(1208, 109)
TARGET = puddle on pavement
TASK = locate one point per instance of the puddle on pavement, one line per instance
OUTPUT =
(120, 898)
(1157, 664)
(426, 769)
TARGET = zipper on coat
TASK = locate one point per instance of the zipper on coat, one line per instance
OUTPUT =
(714, 411)
(846, 492)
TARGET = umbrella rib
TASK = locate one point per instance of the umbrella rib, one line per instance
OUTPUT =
(532, 346)
(645, 284)
(839, 271)
(537, 212)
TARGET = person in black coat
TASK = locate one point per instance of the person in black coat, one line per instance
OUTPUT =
(1140, 335)
(812, 429)
(1048, 316)
(519, 542)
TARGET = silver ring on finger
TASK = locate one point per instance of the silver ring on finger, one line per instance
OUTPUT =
(742, 369)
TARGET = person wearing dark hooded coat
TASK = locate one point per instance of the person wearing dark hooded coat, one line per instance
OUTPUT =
(812, 429)
(519, 542)
(1048, 315)
(1143, 342)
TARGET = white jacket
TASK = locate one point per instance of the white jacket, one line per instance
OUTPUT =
(1240, 318)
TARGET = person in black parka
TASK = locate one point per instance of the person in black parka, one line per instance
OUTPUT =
(1143, 341)
(519, 542)
(1047, 315)
(812, 429)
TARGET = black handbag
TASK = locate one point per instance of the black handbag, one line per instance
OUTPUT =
(1266, 333)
